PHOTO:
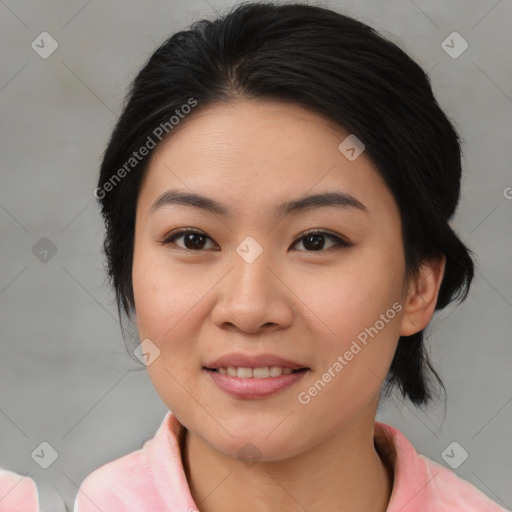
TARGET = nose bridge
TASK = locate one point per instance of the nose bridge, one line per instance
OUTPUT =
(251, 262)
(250, 250)
(251, 295)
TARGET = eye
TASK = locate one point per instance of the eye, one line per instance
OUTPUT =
(315, 240)
(193, 240)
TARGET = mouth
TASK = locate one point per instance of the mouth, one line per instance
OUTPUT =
(260, 372)
(259, 366)
(246, 376)
(255, 383)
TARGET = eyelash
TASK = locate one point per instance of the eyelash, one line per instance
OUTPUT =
(340, 242)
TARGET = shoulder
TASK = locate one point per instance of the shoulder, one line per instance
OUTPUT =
(127, 483)
(422, 485)
(455, 493)
(17, 492)
(105, 488)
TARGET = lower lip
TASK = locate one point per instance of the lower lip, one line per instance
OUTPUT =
(254, 388)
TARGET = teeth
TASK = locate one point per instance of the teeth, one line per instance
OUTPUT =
(256, 373)
(275, 371)
(244, 373)
(260, 373)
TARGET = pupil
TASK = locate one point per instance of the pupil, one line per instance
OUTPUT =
(314, 246)
(192, 245)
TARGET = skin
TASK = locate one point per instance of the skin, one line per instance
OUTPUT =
(301, 304)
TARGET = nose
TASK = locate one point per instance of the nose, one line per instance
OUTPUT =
(253, 297)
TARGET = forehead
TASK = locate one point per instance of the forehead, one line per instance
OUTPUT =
(254, 154)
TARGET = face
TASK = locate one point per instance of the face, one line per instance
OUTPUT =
(250, 282)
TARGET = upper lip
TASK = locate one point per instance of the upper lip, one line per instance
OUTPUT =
(256, 361)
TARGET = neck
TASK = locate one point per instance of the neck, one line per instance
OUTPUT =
(343, 473)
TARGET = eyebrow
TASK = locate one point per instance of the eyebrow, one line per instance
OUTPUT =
(336, 199)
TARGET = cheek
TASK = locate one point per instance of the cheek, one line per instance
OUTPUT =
(167, 302)
(360, 310)
(353, 366)
(164, 294)
(344, 301)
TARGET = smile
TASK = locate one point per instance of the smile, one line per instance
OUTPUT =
(251, 383)
(262, 372)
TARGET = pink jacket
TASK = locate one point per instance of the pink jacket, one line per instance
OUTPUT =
(18, 493)
(152, 479)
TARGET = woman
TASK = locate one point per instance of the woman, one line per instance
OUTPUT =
(277, 196)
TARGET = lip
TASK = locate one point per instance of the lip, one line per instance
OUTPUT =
(256, 361)
(252, 387)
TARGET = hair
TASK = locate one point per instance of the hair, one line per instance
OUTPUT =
(337, 67)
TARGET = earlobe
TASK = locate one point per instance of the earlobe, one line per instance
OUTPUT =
(422, 296)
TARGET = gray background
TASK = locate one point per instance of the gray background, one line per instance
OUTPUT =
(65, 376)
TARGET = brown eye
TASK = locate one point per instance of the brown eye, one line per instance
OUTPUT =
(192, 240)
(314, 240)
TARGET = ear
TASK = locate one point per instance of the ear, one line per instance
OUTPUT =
(422, 296)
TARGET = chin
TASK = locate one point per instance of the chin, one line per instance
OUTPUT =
(253, 446)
